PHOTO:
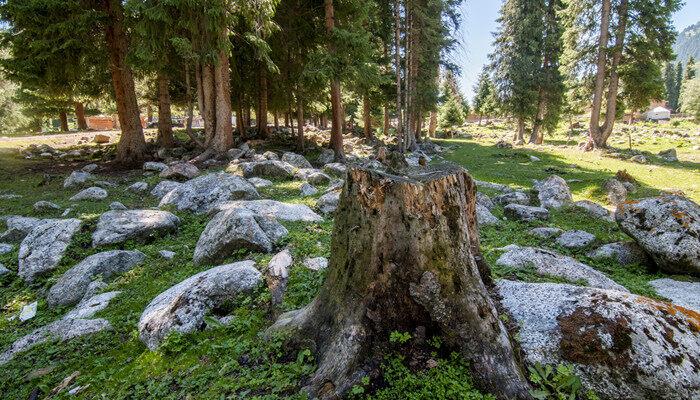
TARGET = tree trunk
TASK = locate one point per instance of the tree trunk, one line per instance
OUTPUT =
(132, 145)
(261, 112)
(80, 116)
(165, 126)
(614, 79)
(324, 121)
(387, 275)
(520, 132)
(300, 127)
(223, 134)
(535, 135)
(432, 127)
(367, 117)
(286, 120)
(63, 116)
(386, 126)
(276, 120)
(397, 67)
(336, 104)
(240, 120)
(190, 109)
(601, 72)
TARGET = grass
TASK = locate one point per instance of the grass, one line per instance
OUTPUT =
(233, 361)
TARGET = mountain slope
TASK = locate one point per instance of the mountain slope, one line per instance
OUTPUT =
(688, 43)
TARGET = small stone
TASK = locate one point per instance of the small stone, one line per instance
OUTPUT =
(164, 187)
(138, 187)
(77, 178)
(43, 206)
(639, 159)
(316, 263)
(91, 193)
(626, 253)
(154, 166)
(167, 254)
(119, 226)
(296, 160)
(308, 190)
(89, 168)
(335, 169)
(3, 270)
(512, 198)
(270, 155)
(594, 210)
(259, 182)
(28, 312)
(117, 206)
(534, 158)
(101, 139)
(525, 213)
(5, 248)
(553, 192)
(328, 203)
(575, 239)
(484, 216)
(180, 171)
(669, 155)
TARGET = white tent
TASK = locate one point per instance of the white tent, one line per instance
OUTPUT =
(658, 114)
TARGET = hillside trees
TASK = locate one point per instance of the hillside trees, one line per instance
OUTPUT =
(485, 102)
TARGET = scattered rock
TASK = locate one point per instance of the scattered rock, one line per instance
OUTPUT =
(639, 159)
(237, 229)
(669, 155)
(626, 253)
(667, 228)
(3, 270)
(621, 346)
(313, 176)
(117, 206)
(271, 155)
(182, 307)
(77, 178)
(594, 210)
(326, 157)
(553, 192)
(28, 312)
(296, 160)
(684, 294)
(547, 262)
(328, 203)
(208, 191)
(545, 232)
(316, 263)
(277, 275)
(308, 190)
(164, 187)
(534, 158)
(119, 226)
(235, 153)
(91, 193)
(180, 172)
(101, 139)
(5, 248)
(502, 144)
(275, 209)
(525, 213)
(335, 169)
(154, 166)
(512, 198)
(485, 201)
(575, 239)
(273, 169)
(43, 206)
(89, 168)
(484, 216)
(617, 193)
(493, 186)
(138, 187)
(42, 249)
(167, 254)
(259, 182)
(73, 284)
(18, 228)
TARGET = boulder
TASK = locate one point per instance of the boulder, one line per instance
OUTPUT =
(182, 308)
(237, 229)
(44, 206)
(308, 190)
(545, 232)
(575, 239)
(3, 270)
(546, 262)
(335, 169)
(493, 186)
(484, 216)
(328, 203)
(512, 198)
(684, 294)
(272, 169)
(154, 166)
(553, 192)
(164, 187)
(18, 228)
(73, 284)
(120, 226)
(101, 139)
(74, 324)
(326, 157)
(626, 253)
(313, 176)
(77, 179)
(296, 160)
(117, 206)
(617, 192)
(208, 191)
(5, 248)
(639, 159)
(89, 168)
(316, 263)
(667, 228)
(669, 155)
(138, 187)
(167, 254)
(621, 346)
(525, 213)
(595, 210)
(91, 193)
(275, 209)
(180, 172)
(485, 201)
(259, 182)
(42, 249)
(235, 153)
(277, 274)
(28, 312)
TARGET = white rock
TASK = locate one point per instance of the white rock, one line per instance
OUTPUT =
(484, 216)
(164, 187)
(91, 193)
(308, 190)
(119, 226)
(154, 166)
(180, 171)
(259, 182)
(28, 312)
(545, 232)
(208, 191)
(43, 205)
(272, 208)
(328, 203)
(625, 253)
(553, 192)
(575, 239)
(316, 263)
(138, 187)
(77, 178)
(5, 248)
(296, 160)
(684, 294)
(167, 254)
(42, 249)
(525, 213)
(117, 206)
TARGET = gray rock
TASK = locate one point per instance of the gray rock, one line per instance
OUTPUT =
(546, 262)
(73, 284)
(669, 155)
(164, 187)
(308, 190)
(77, 179)
(237, 229)
(180, 172)
(296, 160)
(277, 274)
(120, 226)
(639, 159)
(534, 158)
(313, 176)
(493, 186)
(335, 185)
(28, 312)
(667, 228)
(525, 213)
(316, 263)
(117, 206)
(626, 253)
(276, 209)
(5, 248)
(271, 155)
(553, 192)
(545, 232)
(326, 157)
(575, 239)
(512, 198)
(485, 201)
(335, 169)
(259, 182)
(18, 228)
(182, 307)
(89, 168)
(621, 346)
(138, 187)
(617, 192)
(74, 324)
(273, 169)
(43, 206)
(167, 254)
(91, 193)
(594, 210)
(208, 191)
(4, 271)
(42, 249)
(105, 184)
(235, 153)
(684, 294)
(154, 166)
(328, 203)
(484, 216)
(93, 289)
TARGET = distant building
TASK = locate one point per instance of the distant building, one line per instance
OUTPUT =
(658, 114)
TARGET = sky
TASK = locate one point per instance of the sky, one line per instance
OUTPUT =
(479, 21)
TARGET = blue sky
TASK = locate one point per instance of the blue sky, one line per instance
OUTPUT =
(479, 21)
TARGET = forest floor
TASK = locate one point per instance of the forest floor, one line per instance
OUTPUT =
(232, 361)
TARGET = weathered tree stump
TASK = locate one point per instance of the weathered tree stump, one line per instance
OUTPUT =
(405, 254)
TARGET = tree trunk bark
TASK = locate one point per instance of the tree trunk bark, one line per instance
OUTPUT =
(336, 102)
(387, 275)
(539, 118)
(63, 116)
(613, 86)
(190, 109)
(240, 120)
(276, 120)
(261, 113)
(165, 126)
(300, 127)
(397, 67)
(223, 134)
(520, 132)
(386, 126)
(367, 117)
(80, 116)
(432, 127)
(601, 72)
(132, 144)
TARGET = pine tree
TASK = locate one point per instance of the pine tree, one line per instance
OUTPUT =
(677, 86)
(669, 85)
(690, 70)
(485, 95)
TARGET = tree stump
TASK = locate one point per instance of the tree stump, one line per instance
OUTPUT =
(405, 254)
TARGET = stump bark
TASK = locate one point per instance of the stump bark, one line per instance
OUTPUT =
(405, 254)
